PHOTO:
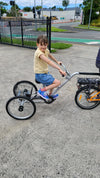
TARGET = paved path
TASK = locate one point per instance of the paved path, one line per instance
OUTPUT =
(60, 140)
(61, 39)
(76, 40)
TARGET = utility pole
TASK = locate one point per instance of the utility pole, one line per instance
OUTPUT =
(90, 13)
(35, 15)
(75, 9)
(35, 8)
(42, 7)
(0, 11)
(15, 10)
(13, 3)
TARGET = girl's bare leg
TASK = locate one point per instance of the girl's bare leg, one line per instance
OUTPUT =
(50, 91)
(55, 84)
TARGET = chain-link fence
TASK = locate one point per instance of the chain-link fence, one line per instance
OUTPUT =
(24, 32)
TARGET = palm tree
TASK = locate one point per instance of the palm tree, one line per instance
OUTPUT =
(65, 3)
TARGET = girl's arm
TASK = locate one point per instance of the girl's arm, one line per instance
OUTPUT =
(54, 59)
(49, 62)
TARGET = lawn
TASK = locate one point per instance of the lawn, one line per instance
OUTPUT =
(53, 29)
(90, 27)
(54, 46)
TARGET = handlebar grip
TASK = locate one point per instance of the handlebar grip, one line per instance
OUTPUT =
(62, 75)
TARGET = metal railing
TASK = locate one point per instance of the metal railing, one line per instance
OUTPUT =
(23, 32)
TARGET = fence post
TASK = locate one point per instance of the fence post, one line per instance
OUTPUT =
(47, 27)
(0, 31)
(10, 32)
(50, 33)
(22, 32)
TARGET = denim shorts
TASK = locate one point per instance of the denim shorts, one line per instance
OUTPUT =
(46, 79)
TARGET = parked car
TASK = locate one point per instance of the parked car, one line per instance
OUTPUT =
(52, 17)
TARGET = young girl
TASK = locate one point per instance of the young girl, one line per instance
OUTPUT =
(41, 62)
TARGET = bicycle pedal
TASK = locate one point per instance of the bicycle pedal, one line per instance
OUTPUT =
(28, 95)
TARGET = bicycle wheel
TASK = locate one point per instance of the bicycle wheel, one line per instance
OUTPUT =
(25, 88)
(20, 108)
(82, 97)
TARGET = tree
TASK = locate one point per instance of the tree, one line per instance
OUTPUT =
(65, 3)
(38, 7)
(2, 4)
(53, 8)
(86, 10)
(27, 9)
(60, 9)
(14, 11)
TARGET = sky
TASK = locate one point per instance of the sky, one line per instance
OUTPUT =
(46, 3)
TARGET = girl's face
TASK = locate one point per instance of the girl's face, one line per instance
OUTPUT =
(42, 46)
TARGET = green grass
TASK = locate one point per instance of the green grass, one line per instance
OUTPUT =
(60, 45)
(90, 27)
(96, 22)
(18, 41)
(5, 40)
(53, 50)
(53, 29)
(54, 46)
(30, 43)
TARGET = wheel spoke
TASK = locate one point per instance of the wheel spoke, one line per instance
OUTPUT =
(20, 108)
(25, 88)
(84, 97)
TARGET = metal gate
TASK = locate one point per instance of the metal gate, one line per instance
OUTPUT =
(24, 32)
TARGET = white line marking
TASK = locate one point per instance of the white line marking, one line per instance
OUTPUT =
(93, 42)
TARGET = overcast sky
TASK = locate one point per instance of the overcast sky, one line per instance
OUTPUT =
(48, 3)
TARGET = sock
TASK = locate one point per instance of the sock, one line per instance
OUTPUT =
(43, 89)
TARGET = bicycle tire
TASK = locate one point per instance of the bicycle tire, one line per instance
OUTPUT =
(23, 85)
(83, 94)
(20, 108)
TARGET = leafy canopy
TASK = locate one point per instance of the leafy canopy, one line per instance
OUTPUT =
(65, 3)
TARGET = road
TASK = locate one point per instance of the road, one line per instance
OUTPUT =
(76, 35)
(72, 35)
(88, 37)
(60, 140)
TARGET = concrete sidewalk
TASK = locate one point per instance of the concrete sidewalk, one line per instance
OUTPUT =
(60, 140)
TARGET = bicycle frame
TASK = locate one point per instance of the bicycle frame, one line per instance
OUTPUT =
(68, 77)
(92, 98)
(27, 97)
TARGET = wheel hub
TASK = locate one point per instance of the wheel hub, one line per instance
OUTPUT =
(21, 108)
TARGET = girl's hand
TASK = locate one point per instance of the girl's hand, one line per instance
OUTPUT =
(63, 73)
(59, 62)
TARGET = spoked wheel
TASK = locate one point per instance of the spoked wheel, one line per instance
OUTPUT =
(20, 108)
(83, 95)
(25, 88)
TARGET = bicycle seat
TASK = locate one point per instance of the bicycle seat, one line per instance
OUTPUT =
(40, 83)
(37, 81)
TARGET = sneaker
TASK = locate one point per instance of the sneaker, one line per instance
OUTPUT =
(54, 96)
(43, 94)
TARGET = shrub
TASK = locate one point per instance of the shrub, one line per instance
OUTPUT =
(96, 23)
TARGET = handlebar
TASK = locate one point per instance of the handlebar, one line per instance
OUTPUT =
(78, 73)
(88, 73)
(65, 70)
